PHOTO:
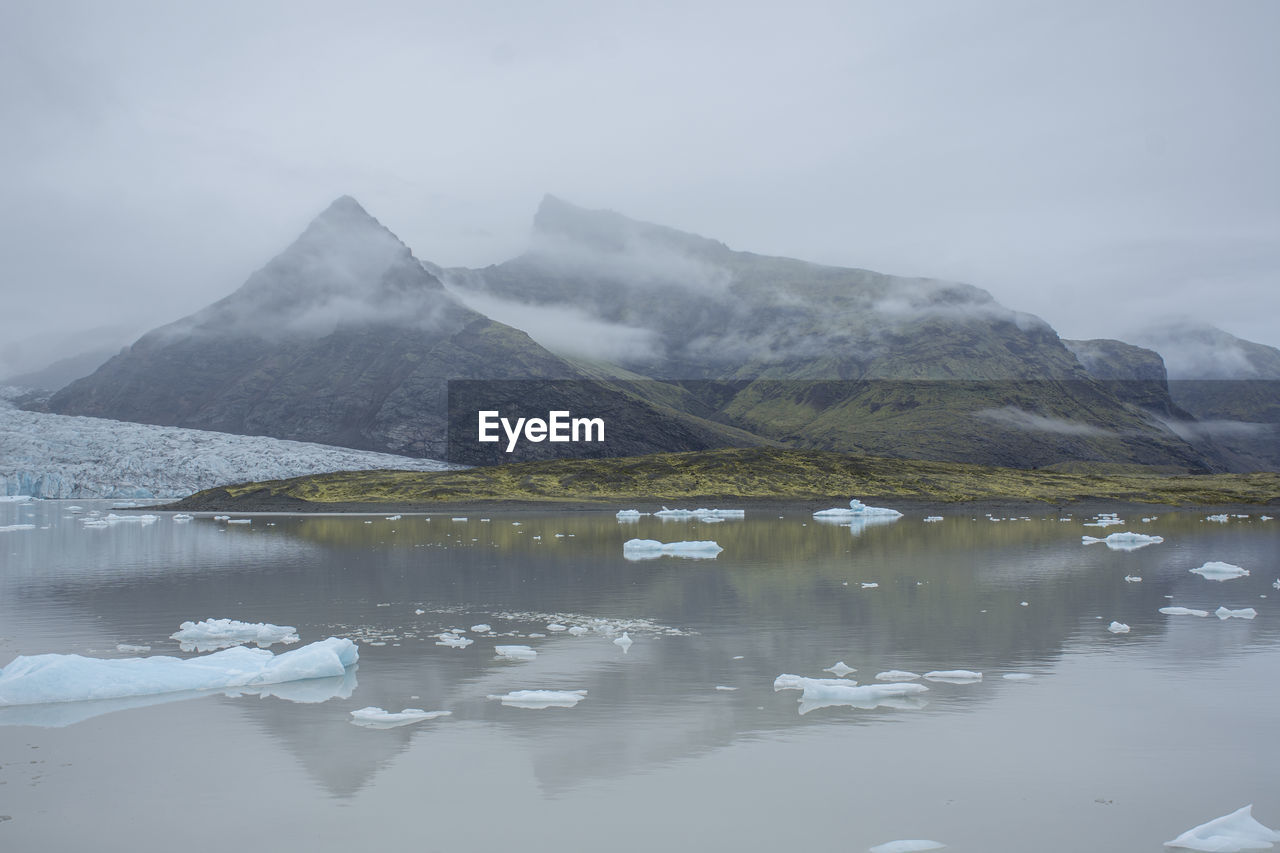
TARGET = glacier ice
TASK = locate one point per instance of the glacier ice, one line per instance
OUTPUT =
(1216, 571)
(870, 586)
(70, 678)
(1132, 579)
(376, 718)
(828, 692)
(515, 652)
(1124, 541)
(482, 628)
(906, 845)
(1243, 613)
(624, 642)
(538, 699)
(954, 676)
(1017, 676)
(1220, 519)
(212, 634)
(648, 549)
(932, 518)
(1183, 611)
(64, 456)
(1118, 628)
(840, 670)
(701, 513)
(857, 509)
(452, 640)
(1231, 833)
(896, 675)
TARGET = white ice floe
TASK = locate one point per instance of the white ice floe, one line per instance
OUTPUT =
(1216, 571)
(629, 514)
(9, 528)
(239, 521)
(1124, 541)
(906, 845)
(1275, 584)
(1243, 613)
(1132, 579)
(459, 518)
(856, 509)
(897, 675)
(954, 676)
(1231, 833)
(1017, 676)
(787, 681)
(624, 642)
(648, 549)
(1118, 628)
(539, 699)
(453, 641)
(577, 630)
(515, 652)
(72, 678)
(1220, 519)
(376, 718)
(129, 648)
(556, 627)
(482, 628)
(390, 518)
(214, 634)
(701, 513)
(828, 692)
(1105, 519)
(1183, 611)
(932, 518)
(840, 670)
(870, 586)
(724, 687)
(182, 517)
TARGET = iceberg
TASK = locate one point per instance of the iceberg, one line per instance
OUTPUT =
(896, 675)
(954, 676)
(624, 642)
(1183, 611)
(213, 634)
(908, 845)
(453, 641)
(1132, 579)
(538, 699)
(1244, 613)
(629, 514)
(1216, 571)
(376, 718)
(482, 628)
(1228, 834)
(1220, 519)
(47, 678)
(1124, 541)
(515, 652)
(828, 692)
(648, 549)
(857, 509)
(840, 670)
(787, 681)
(871, 586)
(1118, 628)
(701, 513)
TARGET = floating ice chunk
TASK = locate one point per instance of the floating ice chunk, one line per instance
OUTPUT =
(1228, 834)
(1017, 676)
(221, 517)
(376, 718)
(482, 628)
(1216, 571)
(1024, 604)
(9, 528)
(857, 509)
(933, 518)
(908, 845)
(577, 630)
(1124, 541)
(723, 687)
(954, 676)
(624, 642)
(1275, 584)
(1220, 519)
(240, 521)
(539, 699)
(144, 520)
(840, 670)
(1243, 613)
(871, 586)
(182, 517)
(1118, 628)
(1264, 518)
(464, 518)
(648, 549)
(557, 627)
(515, 652)
(786, 681)
(214, 634)
(629, 514)
(1183, 611)
(71, 678)
(897, 675)
(1132, 579)
(453, 641)
(819, 693)
(131, 649)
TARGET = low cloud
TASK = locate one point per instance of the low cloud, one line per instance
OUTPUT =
(1011, 416)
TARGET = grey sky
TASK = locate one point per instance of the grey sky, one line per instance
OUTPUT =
(1094, 163)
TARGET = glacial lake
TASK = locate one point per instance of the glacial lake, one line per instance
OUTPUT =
(1116, 742)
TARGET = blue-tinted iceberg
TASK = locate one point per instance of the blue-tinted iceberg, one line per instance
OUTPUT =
(1124, 541)
(73, 678)
(1242, 613)
(538, 699)
(213, 634)
(1183, 611)
(1216, 571)
(648, 549)
(1228, 834)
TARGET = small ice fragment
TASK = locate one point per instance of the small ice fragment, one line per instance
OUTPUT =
(221, 517)
(418, 611)
(820, 693)
(840, 670)
(1231, 833)
(557, 627)
(738, 657)
(577, 630)
(515, 652)
(1118, 628)
(183, 517)
(1183, 611)
(539, 699)
(954, 676)
(907, 845)
(897, 675)
(723, 687)
(393, 518)
(1244, 613)
(453, 641)
(1124, 541)
(240, 521)
(1132, 579)
(1017, 676)
(461, 518)
(213, 634)
(787, 681)
(933, 518)
(376, 718)
(1216, 571)
(1221, 519)
(870, 586)
(647, 549)
(11, 527)
(1275, 584)
(624, 642)
(126, 647)
(482, 628)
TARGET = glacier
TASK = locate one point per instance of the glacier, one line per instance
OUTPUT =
(63, 456)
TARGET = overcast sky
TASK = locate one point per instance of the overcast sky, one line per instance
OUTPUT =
(1090, 162)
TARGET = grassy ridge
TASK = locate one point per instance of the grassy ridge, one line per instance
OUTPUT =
(763, 473)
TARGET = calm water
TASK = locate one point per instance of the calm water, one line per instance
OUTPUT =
(1117, 742)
